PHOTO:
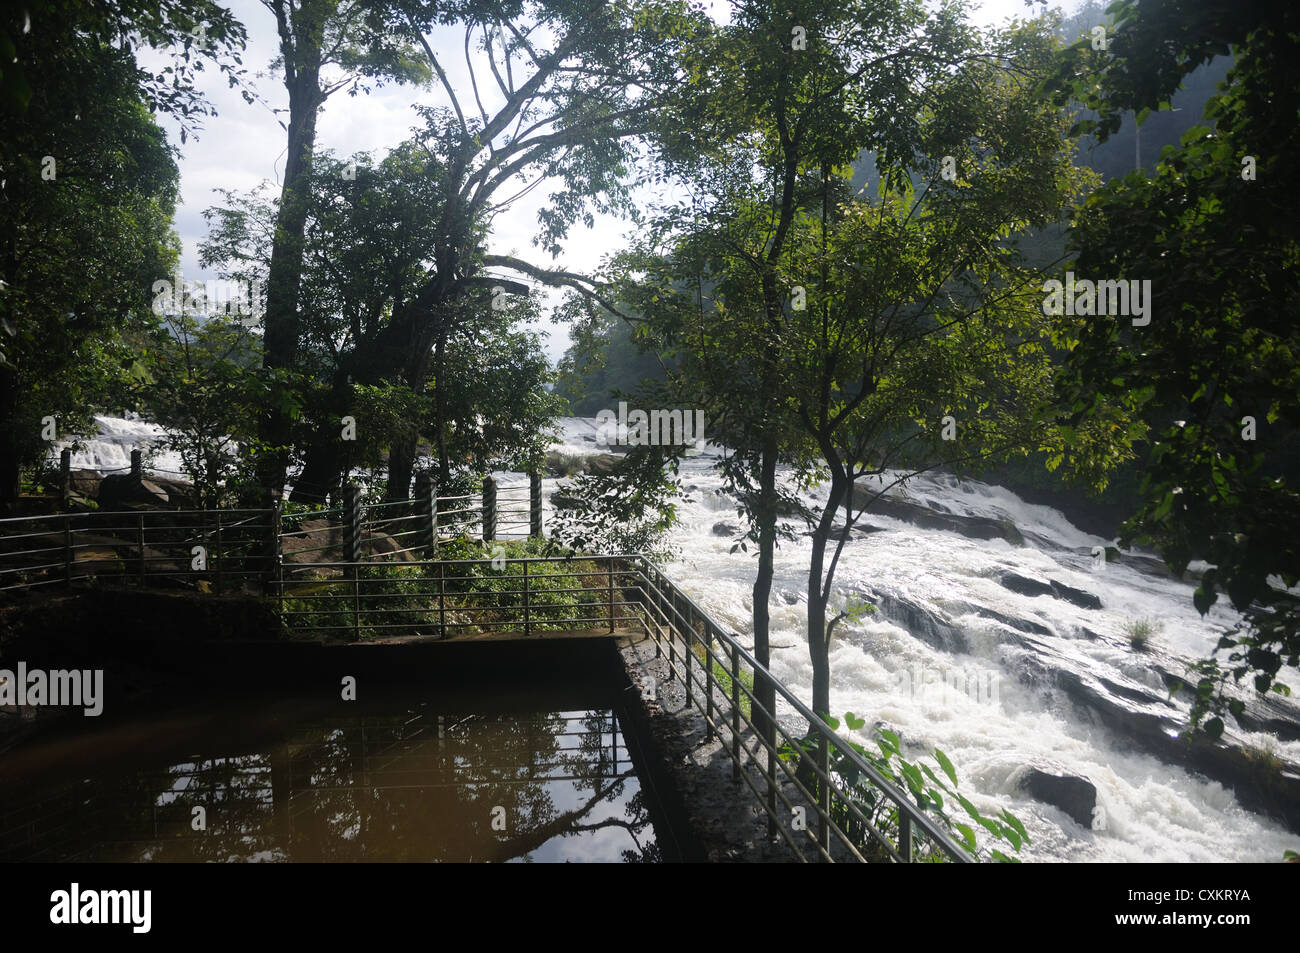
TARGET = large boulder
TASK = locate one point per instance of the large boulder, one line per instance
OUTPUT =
(973, 527)
(119, 490)
(1025, 585)
(1078, 597)
(1076, 796)
(1033, 586)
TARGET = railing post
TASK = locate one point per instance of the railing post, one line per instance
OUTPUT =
(609, 571)
(769, 731)
(657, 598)
(69, 557)
(426, 514)
(442, 603)
(275, 567)
(489, 509)
(735, 713)
(220, 554)
(351, 523)
(671, 621)
(141, 534)
(352, 549)
(824, 795)
(65, 478)
(904, 836)
(535, 505)
(528, 630)
(688, 630)
(708, 687)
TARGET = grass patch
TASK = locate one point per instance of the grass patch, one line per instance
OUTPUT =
(1140, 632)
(723, 677)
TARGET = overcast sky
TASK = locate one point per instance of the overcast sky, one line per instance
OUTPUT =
(244, 144)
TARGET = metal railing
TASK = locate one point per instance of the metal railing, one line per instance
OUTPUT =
(225, 549)
(792, 762)
(853, 812)
(444, 598)
(237, 547)
(788, 757)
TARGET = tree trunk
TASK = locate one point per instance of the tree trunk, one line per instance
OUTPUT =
(819, 592)
(764, 691)
(818, 648)
(323, 469)
(401, 454)
(10, 472)
(440, 410)
(301, 45)
(819, 588)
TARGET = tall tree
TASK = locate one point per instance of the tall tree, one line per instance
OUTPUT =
(89, 185)
(924, 341)
(573, 87)
(87, 188)
(782, 95)
(325, 46)
(1215, 232)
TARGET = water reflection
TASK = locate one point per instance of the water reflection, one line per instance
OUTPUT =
(411, 784)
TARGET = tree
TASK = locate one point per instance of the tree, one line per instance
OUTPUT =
(1214, 230)
(785, 99)
(202, 383)
(88, 179)
(368, 246)
(923, 341)
(365, 41)
(42, 38)
(574, 88)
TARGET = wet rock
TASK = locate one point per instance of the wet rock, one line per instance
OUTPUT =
(1078, 597)
(1155, 724)
(1076, 796)
(729, 530)
(974, 527)
(124, 489)
(1024, 625)
(560, 464)
(1033, 586)
(1025, 585)
(562, 501)
(926, 624)
(602, 463)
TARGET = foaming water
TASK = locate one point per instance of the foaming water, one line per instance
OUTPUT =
(984, 706)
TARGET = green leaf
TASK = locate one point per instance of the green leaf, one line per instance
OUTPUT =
(1014, 822)
(970, 808)
(967, 834)
(944, 763)
(913, 776)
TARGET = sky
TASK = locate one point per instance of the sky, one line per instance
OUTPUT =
(244, 145)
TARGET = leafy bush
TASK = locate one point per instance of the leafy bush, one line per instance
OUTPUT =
(400, 599)
(919, 779)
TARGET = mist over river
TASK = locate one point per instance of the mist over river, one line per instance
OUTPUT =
(997, 640)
